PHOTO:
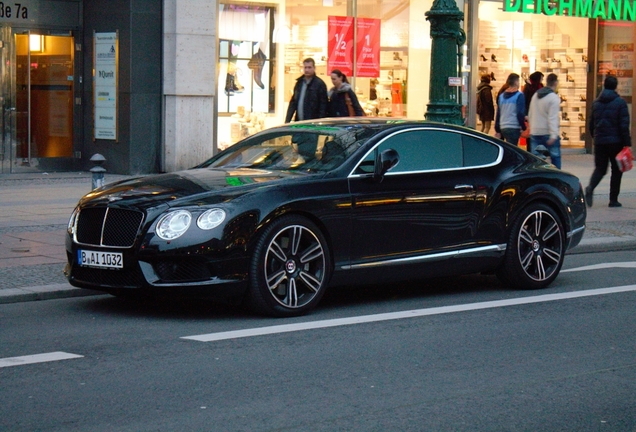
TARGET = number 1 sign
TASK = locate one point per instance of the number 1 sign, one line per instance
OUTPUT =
(368, 48)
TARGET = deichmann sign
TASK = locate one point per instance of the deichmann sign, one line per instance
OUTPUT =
(613, 10)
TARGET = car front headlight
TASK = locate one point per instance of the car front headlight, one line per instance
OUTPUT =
(174, 224)
(211, 219)
(72, 222)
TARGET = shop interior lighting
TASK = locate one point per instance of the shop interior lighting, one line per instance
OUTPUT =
(36, 43)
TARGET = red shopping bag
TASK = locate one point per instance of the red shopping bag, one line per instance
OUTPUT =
(625, 159)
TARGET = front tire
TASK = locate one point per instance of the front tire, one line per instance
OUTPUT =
(535, 250)
(290, 268)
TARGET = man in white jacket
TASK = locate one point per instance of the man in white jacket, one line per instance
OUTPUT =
(544, 118)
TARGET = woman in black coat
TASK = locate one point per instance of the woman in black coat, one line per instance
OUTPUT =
(341, 96)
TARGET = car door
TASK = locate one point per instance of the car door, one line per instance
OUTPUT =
(423, 206)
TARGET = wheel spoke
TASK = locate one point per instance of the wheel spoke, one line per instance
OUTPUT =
(311, 282)
(551, 231)
(297, 234)
(274, 280)
(292, 294)
(537, 223)
(552, 254)
(312, 253)
(278, 251)
(540, 268)
(525, 236)
(527, 260)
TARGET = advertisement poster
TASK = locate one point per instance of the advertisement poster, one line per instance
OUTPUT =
(623, 68)
(105, 86)
(340, 44)
(368, 48)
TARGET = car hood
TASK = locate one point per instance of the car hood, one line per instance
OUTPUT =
(208, 185)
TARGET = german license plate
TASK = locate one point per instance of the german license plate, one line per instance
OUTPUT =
(109, 260)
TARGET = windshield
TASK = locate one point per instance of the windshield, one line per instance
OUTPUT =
(309, 150)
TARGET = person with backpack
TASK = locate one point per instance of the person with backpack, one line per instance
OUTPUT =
(511, 112)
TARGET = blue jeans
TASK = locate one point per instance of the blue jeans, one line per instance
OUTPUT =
(555, 148)
(511, 135)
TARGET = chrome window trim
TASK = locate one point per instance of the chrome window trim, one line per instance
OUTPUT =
(496, 162)
(429, 257)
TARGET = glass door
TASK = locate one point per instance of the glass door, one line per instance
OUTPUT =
(42, 125)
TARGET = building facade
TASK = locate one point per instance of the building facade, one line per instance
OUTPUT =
(161, 85)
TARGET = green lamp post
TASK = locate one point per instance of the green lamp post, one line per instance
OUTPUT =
(446, 59)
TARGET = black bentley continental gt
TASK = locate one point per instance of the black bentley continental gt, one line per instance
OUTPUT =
(279, 217)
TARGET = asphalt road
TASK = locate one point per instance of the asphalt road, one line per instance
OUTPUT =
(456, 354)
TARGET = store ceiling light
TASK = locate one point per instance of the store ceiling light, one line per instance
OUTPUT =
(36, 43)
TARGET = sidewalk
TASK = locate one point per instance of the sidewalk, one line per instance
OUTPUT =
(34, 212)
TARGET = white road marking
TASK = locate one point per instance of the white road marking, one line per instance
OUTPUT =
(285, 328)
(629, 264)
(37, 358)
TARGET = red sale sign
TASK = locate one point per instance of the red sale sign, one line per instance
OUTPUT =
(340, 45)
(368, 48)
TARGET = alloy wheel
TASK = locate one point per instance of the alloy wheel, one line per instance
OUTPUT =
(295, 266)
(540, 245)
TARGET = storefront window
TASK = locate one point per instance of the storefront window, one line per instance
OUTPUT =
(246, 85)
(616, 57)
(525, 43)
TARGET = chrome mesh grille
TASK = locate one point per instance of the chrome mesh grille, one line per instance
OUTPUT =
(111, 227)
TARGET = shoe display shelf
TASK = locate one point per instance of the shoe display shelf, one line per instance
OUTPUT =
(570, 65)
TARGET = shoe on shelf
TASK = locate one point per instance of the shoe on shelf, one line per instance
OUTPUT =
(556, 60)
(584, 58)
(493, 58)
(614, 204)
(564, 116)
(583, 98)
(565, 136)
(589, 196)
(524, 58)
(569, 78)
(563, 98)
(569, 59)
(482, 57)
(492, 76)
(581, 117)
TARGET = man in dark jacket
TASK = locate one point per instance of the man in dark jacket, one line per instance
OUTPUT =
(309, 100)
(609, 125)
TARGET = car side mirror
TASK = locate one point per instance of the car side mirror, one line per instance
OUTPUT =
(386, 160)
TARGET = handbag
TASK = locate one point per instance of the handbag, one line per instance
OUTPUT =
(526, 133)
(352, 111)
(625, 159)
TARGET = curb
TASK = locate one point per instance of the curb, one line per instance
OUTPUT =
(43, 292)
(59, 291)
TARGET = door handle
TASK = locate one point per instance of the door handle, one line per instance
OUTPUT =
(464, 187)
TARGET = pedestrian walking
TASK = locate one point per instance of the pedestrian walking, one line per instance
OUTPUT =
(511, 115)
(544, 119)
(609, 125)
(485, 103)
(309, 100)
(533, 85)
(343, 101)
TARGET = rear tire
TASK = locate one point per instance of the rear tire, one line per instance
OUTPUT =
(290, 268)
(535, 250)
